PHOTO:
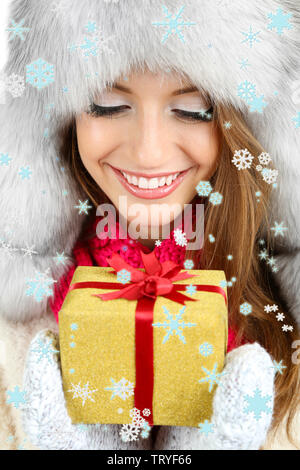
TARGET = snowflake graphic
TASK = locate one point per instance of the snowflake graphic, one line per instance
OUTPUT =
(29, 251)
(242, 159)
(124, 276)
(174, 324)
(264, 158)
(146, 412)
(257, 104)
(188, 264)
(60, 258)
(212, 377)
(92, 44)
(123, 389)
(7, 249)
(227, 125)
(74, 327)
(17, 30)
(245, 308)
(257, 404)
(44, 349)
(206, 349)
(4, 159)
(250, 37)
(215, 198)
(203, 188)
(82, 392)
(129, 432)
(16, 397)
(206, 427)
(180, 237)
(269, 176)
(211, 238)
(25, 172)
(173, 24)
(223, 284)
(15, 85)
(247, 91)
(244, 63)
(83, 207)
(40, 74)
(280, 316)
(278, 367)
(297, 120)
(190, 289)
(39, 286)
(145, 430)
(279, 21)
(278, 229)
(263, 254)
(157, 243)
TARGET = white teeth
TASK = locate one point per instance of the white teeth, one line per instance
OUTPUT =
(143, 183)
(162, 181)
(149, 183)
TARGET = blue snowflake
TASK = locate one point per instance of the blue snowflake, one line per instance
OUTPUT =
(39, 286)
(74, 327)
(251, 37)
(124, 276)
(45, 350)
(223, 284)
(279, 21)
(257, 104)
(17, 29)
(215, 198)
(257, 404)
(206, 427)
(278, 229)
(173, 24)
(247, 91)
(91, 27)
(206, 349)
(4, 159)
(40, 74)
(83, 207)
(211, 238)
(278, 366)
(174, 324)
(245, 308)
(16, 397)
(212, 376)
(203, 188)
(190, 289)
(188, 264)
(25, 172)
(72, 344)
(60, 258)
(122, 389)
(244, 64)
(297, 120)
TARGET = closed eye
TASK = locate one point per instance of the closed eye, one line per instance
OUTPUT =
(108, 111)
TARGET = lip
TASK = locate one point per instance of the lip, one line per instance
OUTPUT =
(156, 193)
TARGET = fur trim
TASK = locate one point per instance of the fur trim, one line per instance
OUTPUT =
(210, 56)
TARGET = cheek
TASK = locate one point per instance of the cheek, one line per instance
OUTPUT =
(93, 141)
(205, 144)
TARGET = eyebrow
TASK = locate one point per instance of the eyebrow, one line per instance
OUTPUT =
(181, 91)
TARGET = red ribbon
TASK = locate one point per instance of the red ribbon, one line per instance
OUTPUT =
(145, 286)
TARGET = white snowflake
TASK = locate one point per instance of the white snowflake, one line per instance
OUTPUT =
(28, 251)
(129, 432)
(39, 286)
(242, 159)
(82, 392)
(269, 176)
(280, 316)
(123, 389)
(157, 243)
(7, 249)
(264, 158)
(180, 237)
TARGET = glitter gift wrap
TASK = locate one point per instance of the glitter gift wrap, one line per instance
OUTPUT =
(97, 345)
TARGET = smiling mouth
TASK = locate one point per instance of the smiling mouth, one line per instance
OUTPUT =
(156, 187)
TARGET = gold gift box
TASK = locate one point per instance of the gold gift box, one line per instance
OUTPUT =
(97, 347)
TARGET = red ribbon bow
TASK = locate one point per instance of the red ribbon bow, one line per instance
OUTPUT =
(145, 286)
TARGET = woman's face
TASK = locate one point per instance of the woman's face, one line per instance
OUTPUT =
(154, 149)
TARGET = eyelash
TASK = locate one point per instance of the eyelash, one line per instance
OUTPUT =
(109, 111)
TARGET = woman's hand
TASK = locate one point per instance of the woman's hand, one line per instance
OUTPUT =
(45, 418)
(242, 407)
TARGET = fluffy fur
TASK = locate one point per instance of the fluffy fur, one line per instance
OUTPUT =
(50, 223)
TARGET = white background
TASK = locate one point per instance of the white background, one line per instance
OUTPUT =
(3, 34)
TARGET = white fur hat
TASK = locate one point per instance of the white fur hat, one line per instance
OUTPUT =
(236, 50)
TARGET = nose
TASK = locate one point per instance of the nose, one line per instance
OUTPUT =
(152, 142)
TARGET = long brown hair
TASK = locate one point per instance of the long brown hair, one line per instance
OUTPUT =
(237, 226)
